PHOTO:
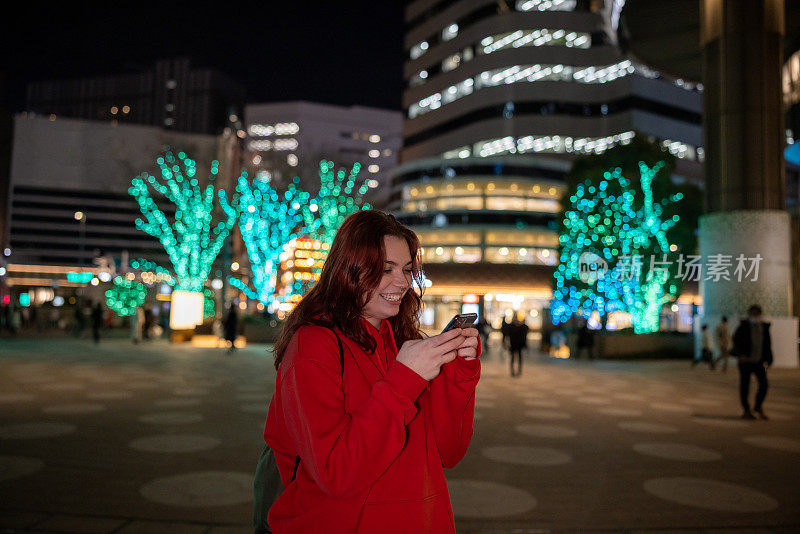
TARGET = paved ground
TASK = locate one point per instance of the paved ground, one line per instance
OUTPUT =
(158, 438)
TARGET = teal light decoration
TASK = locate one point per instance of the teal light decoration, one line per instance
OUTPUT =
(612, 223)
(208, 303)
(340, 194)
(269, 220)
(192, 240)
(125, 296)
(164, 276)
(79, 278)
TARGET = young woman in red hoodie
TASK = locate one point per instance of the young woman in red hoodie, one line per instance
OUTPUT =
(373, 437)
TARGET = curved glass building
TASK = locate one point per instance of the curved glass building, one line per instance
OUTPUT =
(500, 96)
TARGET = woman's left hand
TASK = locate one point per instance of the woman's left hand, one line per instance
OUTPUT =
(468, 350)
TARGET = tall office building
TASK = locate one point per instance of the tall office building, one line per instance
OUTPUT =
(171, 94)
(294, 136)
(500, 97)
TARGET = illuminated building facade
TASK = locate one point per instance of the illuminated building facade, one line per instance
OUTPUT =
(301, 264)
(500, 98)
(292, 137)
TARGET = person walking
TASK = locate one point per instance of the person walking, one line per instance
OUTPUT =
(484, 328)
(705, 348)
(585, 341)
(722, 336)
(752, 344)
(97, 321)
(517, 340)
(362, 431)
(231, 326)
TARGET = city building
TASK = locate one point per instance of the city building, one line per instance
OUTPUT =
(69, 210)
(172, 94)
(292, 137)
(500, 98)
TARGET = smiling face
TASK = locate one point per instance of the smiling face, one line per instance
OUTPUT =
(384, 302)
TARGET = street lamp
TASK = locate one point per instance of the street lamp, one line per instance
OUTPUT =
(81, 218)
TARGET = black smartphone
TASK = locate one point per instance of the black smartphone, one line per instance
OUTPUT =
(461, 320)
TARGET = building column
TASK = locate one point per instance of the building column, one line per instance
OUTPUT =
(742, 44)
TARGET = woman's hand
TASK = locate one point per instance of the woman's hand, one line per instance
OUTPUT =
(469, 348)
(426, 356)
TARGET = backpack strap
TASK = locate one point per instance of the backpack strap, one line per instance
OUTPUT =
(341, 361)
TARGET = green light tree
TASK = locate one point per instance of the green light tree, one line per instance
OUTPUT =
(192, 240)
(125, 296)
(627, 226)
(339, 195)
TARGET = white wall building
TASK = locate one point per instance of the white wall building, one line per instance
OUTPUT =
(299, 134)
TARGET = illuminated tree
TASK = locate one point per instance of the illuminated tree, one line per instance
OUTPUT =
(191, 239)
(269, 220)
(339, 196)
(125, 296)
(628, 227)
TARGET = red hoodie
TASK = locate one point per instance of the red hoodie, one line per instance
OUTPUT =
(373, 439)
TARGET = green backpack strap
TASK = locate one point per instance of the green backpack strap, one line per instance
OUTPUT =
(267, 484)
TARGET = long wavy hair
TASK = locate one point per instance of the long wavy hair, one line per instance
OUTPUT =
(351, 273)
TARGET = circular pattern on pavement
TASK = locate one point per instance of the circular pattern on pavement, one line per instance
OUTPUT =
(777, 443)
(171, 418)
(36, 430)
(620, 412)
(167, 443)
(476, 499)
(77, 408)
(110, 395)
(670, 407)
(177, 403)
(16, 397)
(677, 451)
(647, 428)
(710, 494)
(526, 455)
(546, 431)
(259, 408)
(18, 466)
(547, 414)
(202, 488)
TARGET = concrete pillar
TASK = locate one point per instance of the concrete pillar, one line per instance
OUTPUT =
(745, 179)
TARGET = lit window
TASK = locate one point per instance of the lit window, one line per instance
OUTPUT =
(126, 109)
(374, 153)
(169, 121)
(418, 49)
(172, 84)
(451, 62)
(291, 159)
(449, 32)
(373, 168)
(114, 110)
(387, 152)
(170, 107)
(374, 138)
(546, 5)
(372, 183)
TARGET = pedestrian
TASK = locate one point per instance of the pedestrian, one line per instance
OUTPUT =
(148, 323)
(79, 318)
(230, 327)
(504, 330)
(361, 436)
(585, 341)
(484, 328)
(97, 321)
(723, 338)
(705, 348)
(517, 341)
(753, 346)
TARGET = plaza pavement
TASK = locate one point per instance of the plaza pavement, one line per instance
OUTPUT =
(160, 438)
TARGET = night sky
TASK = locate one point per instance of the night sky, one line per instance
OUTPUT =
(343, 53)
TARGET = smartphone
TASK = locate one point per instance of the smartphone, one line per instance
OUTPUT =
(461, 320)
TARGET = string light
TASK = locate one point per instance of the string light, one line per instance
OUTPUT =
(192, 241)
(604, 223)
(125, 296)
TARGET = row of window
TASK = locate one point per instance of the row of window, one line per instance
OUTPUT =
(521, 73)
(451, 30)
(531, 204)
(466, 254)
(481, 187)
(515, 39)
(468, 236)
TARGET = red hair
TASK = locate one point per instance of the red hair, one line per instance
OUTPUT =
(351, 273)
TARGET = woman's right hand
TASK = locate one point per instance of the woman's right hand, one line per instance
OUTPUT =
(426, 356)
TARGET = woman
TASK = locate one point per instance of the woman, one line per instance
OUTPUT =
(372, 437)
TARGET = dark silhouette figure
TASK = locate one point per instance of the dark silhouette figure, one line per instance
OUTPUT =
(705, 350)
(97, 321)
(753, 345)
(517, 340)
(484, 328)
(585, 341)
(505, 328)
(231, 326)
(148, 323)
